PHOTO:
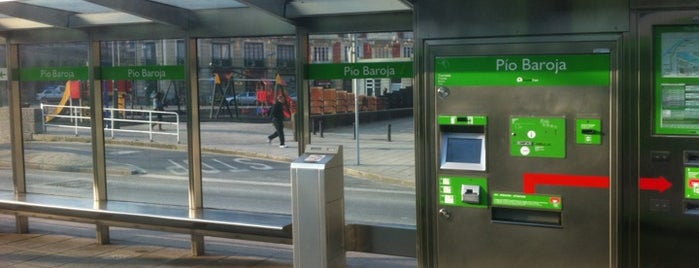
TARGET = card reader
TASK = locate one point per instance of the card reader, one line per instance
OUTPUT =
(470, 194)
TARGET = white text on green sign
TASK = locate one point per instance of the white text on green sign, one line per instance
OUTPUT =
(401, 69)
(524, 70)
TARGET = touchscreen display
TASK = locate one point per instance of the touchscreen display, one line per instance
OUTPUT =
(465, 151)
(462, 150)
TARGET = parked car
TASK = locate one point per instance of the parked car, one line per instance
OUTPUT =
(245, 98)
(51, 94)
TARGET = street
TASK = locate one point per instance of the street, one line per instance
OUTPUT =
(229, 182)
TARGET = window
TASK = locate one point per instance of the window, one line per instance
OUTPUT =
(149, 53)
(180, 52)
(254, 54)
(321, 54)
(286, 56)
(407, 52)
(220, 54)
(348, 52)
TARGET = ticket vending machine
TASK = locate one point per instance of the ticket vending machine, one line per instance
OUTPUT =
(668, 155)
(525, 149)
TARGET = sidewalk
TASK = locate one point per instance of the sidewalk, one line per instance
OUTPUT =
(67, 244)
(391, 162)
(379, 159)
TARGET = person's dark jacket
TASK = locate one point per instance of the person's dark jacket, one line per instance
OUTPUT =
(277, 112)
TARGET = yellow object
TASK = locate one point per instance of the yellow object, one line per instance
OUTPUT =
(61, 104)
(217, 79)
(279, 80)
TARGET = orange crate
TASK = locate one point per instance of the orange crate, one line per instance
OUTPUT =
(341, 95)
(329, 94)
(317, 93)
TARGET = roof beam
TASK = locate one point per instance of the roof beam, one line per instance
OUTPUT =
(49, 16)
(275, 7)
(161, 13)
(408, 3)
(380, 22)
(298, 9)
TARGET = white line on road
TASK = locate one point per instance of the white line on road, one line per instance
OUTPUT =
(275, 184)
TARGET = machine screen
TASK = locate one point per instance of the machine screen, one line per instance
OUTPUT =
(463, 151)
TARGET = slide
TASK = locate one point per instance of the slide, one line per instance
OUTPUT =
(72, 89)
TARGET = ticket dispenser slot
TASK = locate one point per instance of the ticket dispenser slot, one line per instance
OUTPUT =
(691, 184)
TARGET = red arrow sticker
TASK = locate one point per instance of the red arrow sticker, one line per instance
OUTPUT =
(659, 184)
(531, 180)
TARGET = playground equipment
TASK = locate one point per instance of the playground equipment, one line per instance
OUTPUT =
(266, 91)
(71, 92)
(219, 93)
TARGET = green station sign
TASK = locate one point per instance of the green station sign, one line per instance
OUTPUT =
(521, 70)
(148, 72)
(538, 137)
(528, 201)
(53, 73)
(396, 69)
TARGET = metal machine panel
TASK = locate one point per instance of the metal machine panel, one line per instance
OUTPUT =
(668, 144)
(317, 188)
(549, 199)
(458, 18)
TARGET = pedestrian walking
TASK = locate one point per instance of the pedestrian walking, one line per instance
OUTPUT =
(158, 106)
(277, 114)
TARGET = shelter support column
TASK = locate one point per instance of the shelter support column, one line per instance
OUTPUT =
(302, 113)
(99, 170)
(193, 141)
(16, 140)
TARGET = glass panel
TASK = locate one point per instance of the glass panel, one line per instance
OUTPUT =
(5, 156)
(144, 102)
(54, 100)
(380, 154)
(241, 170)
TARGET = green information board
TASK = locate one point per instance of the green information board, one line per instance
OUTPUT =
(676, 107)
(691, 185)
(538, 137)
(529, 201)
(451, 191)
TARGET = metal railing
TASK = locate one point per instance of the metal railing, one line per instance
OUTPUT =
(114, 117)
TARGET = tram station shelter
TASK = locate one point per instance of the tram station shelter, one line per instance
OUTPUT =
(550, 133)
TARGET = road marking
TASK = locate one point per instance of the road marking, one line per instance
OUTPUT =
(275, 184)
(176, 168)
(208, 169)
(231, 168)
(181, 178)
(124, 152)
